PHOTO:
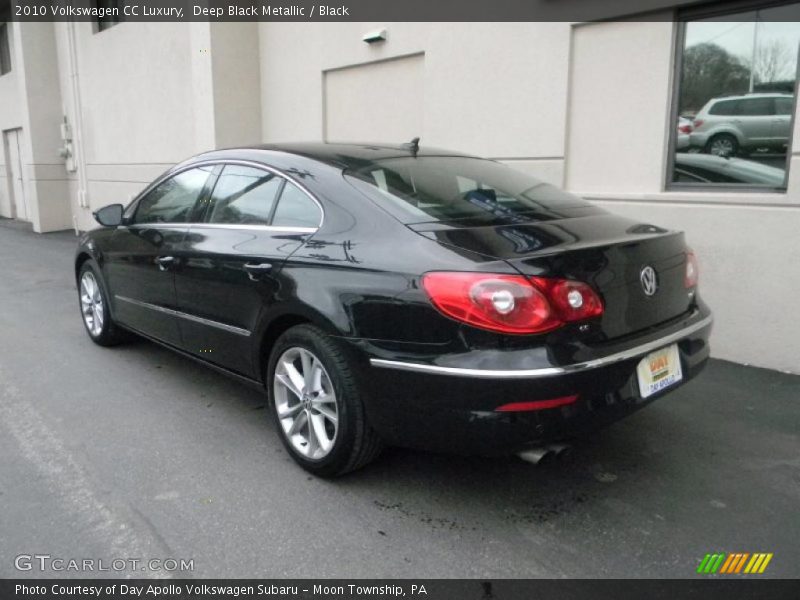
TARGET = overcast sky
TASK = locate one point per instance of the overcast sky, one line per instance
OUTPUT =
(735, 33)
(737, 38)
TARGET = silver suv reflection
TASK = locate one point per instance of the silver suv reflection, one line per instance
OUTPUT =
(725, 126)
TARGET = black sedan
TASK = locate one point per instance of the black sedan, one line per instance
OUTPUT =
(399, 295)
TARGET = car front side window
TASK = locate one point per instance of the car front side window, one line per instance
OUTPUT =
(173, 200)
(783, 106)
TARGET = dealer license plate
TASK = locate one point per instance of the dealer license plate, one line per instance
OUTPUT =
(659, 370)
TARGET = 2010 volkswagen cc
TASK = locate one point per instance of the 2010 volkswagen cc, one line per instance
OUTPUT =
(398, 295)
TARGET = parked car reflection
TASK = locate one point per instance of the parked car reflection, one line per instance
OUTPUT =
(682, 140)
(705, 168)
(728, 126)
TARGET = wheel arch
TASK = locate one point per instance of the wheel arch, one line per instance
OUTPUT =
(727, 130)
(81, 258)
(280, 323)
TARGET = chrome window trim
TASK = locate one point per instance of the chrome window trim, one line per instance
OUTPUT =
(183, 315)
(187, 226)
(223, 162)
(276, 228)
(635, 352)
(156, 226)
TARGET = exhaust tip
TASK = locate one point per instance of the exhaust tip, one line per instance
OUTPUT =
(537, 456)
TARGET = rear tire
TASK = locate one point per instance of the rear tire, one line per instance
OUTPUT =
(317, 405)
(95, 311)
(723, 144)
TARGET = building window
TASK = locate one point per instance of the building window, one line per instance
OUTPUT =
(5, 50)
(735, 99)
(110, 12)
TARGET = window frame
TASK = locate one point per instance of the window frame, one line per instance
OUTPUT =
(683, 18)
(201, 211)
(5, 47)
(100, 25)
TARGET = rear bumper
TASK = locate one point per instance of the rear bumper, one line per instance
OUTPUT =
(446, 406)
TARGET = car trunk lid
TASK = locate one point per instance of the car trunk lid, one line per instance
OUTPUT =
(606, 251)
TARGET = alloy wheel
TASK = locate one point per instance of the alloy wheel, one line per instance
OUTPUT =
(306, 403)
(722, 147)
(92, 304)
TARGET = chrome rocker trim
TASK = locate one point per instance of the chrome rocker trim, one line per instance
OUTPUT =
(183, 315)
(545, 371)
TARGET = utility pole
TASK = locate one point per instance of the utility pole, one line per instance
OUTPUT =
(753, 55)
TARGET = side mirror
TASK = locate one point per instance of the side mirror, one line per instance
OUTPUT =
(109, 216)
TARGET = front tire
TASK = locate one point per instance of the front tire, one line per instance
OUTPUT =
(94, 307)
(316, 403)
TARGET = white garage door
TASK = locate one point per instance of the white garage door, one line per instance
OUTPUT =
(375, 102)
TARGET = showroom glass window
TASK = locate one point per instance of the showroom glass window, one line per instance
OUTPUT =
(735, 100)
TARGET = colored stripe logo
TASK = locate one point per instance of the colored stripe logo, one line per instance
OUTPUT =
(733, 563)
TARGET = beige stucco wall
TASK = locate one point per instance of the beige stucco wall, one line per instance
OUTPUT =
(136, 98)
(494, 89)
(151, 95)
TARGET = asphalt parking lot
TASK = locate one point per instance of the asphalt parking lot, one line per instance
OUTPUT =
(137, 452)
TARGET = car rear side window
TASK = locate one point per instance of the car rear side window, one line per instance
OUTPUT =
(173, 200)
(244, 196)
(724, 108)
(296, 209)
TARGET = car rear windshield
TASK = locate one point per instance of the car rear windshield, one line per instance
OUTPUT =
(444, 188)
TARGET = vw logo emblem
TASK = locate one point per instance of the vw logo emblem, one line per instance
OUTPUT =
(649, 281)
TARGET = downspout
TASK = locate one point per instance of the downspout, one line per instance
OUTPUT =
(77, 109)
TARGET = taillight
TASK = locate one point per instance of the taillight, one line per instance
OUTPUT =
(697, 123)
(572, 300)
(692, 270)
(685, 129)
(511, 303)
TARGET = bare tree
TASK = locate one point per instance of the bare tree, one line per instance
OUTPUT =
(774, 61)
(710, 71)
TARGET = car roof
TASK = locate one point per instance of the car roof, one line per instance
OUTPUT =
(340, 155)
(756, 95)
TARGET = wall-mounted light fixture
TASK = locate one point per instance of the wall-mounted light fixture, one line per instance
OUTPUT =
(373, 37)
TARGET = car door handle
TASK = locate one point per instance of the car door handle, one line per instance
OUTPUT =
(164, 262)
(256, 269)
